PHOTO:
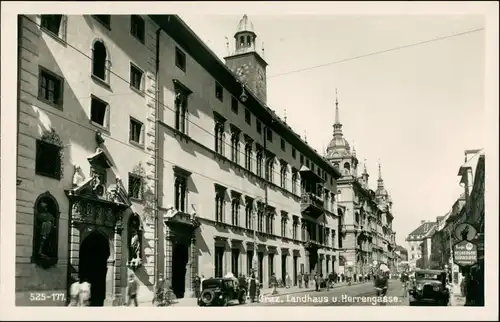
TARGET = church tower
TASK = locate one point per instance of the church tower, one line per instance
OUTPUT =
(246, 62)
(338, 151)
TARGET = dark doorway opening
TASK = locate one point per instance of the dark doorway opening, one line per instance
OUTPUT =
(283, 269)
(180, 258)
(295, 269)
(313, 261)
(93, 266)
(261, 267)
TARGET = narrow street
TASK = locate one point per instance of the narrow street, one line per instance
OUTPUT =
(358, 295)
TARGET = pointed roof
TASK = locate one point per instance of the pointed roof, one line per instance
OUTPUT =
(425, 230)
(381, 191)
(338, 144)
(245, 25)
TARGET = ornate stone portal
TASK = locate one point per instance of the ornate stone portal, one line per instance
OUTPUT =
(95, 208)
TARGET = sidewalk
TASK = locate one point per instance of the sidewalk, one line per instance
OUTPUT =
(456, 299)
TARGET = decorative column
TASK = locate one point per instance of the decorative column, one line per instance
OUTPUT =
(119, 298)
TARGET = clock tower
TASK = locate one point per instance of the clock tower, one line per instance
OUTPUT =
(246, 63)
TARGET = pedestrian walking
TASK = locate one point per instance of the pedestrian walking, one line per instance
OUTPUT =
(252, 287)
(300, 279)
(132, 288)
(274, 283)
(306, 280)
(197, 286)
(288, 281)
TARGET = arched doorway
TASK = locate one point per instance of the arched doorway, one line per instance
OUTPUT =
(180, 258)
(93, 258)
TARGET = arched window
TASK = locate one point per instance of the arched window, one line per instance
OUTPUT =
(347, 167)
(45, 230)
(242, 41)
(249, 42)
(99, 60)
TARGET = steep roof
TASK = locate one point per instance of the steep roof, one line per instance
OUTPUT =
(425, 230)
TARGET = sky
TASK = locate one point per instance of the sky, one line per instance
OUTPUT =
(415, 109)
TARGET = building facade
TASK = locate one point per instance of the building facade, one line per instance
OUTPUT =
(367, 237)
(241, 192)
(84, 124)
(419, 244)
(140, 152)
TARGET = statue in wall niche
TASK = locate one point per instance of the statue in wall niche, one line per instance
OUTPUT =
(134, 242)
(135, 245)
(47, 224)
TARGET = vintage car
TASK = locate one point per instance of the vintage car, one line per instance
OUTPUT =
(429, 288)
(220, 291)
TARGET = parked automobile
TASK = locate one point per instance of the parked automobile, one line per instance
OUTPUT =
(220, 291)
(429, 288)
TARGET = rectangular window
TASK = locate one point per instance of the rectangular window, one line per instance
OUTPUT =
(269, 134)
(104, 20)
(219, 92)
(235, 260)
(283, 144)
(180, 59)
(307, 163)
(219, 261)
(138, 27)
(301, 159)
(248, 118)
(234, 105)
(248, 215)
(294, 153)
(259, 126)
(271, 264)
(248, 156)
(48, 160)
(134, 186)
(180, 190)
(249, 262)
(219, 137)
(235, 212)
(181, 109)
(235, 144)
(136, 132)
(99, 112)
(219, 205)
(50, 88)
(136, 76)
(52, 23)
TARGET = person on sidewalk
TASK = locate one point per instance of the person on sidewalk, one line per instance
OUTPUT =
(132, 288)
(288, 281)
(274, 283)
(300, 279)
(197, 286)
(317, 282)
(252, 287)
(306, 280)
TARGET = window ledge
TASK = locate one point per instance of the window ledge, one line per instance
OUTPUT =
(51, 104)
(136, 144)
(54, 36)
(49, 175)
(100, 127)
(138, 91)
(181, 135)
(101, 81)
(139, 39)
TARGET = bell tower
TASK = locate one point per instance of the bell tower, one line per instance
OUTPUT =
(246, 62)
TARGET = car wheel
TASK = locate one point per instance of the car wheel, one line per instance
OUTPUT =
(207, 296)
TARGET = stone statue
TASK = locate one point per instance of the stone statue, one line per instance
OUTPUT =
(135, 244)
(46, 220)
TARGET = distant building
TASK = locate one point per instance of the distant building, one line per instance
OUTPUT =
(365, 215)
(419, 244)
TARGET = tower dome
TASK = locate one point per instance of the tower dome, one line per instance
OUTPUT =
(245, 25)
(338, 145)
